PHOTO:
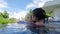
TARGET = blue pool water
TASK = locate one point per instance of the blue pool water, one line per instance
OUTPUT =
(15, 29)
(21, 29)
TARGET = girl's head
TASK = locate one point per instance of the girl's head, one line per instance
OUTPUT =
(38, 14)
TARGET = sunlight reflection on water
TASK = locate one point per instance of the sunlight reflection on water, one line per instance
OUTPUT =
(15, 29)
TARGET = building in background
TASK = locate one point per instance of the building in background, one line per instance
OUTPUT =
(53, 6)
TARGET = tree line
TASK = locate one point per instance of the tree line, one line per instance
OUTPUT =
(4, 18)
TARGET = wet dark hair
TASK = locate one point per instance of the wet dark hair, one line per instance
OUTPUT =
(39, 13)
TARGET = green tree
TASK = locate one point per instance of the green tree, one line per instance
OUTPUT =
(30, 12)
(5, 14)
(4, 18)
(13, 20)
(1, 15)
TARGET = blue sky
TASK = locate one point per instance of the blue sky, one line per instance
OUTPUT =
(19, 8)
(21, 4)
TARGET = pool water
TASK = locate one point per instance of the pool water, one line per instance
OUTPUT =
(21, 29)
(15, 29)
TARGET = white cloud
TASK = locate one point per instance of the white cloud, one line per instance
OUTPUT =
(40, 4)
(3, 4)
(1, 10)
(18, 15)
(37, 3)
(30, 6)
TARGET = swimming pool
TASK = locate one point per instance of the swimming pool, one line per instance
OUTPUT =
(14, 29)
(21, 29)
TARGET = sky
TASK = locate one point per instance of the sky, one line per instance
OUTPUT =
(19, 8)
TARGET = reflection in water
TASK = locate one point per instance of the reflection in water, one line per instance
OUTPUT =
(15, 29)
(54, 28)
(3, 25)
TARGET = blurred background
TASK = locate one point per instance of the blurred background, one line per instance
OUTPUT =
(12, 11)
